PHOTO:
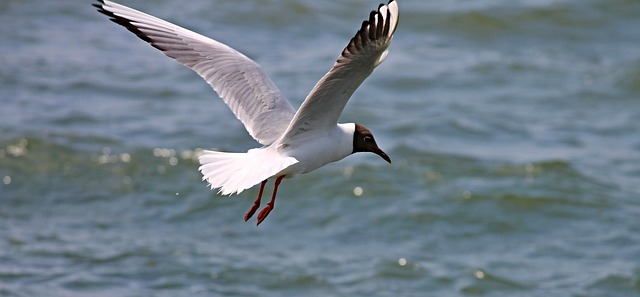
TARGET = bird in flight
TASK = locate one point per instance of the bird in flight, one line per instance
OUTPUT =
(293, 142)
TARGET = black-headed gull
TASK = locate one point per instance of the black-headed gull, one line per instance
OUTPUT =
(294, 142)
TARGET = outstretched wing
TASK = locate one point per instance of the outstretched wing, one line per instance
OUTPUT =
(366, 50)
(239, 81)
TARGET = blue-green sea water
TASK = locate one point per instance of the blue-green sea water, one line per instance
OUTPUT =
(513, 126)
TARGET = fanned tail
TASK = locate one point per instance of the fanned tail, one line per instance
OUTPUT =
(236, 172)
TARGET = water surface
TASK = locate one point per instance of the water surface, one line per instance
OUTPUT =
(513, 129)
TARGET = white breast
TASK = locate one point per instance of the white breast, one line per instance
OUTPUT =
(318, 149)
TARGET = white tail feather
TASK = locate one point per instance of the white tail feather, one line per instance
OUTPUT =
(236, 172)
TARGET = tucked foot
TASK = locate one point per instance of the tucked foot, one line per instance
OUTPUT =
(251, 211)
(264, 213)
(256, 203)
(267, 209)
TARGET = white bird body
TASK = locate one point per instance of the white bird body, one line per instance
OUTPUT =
(294, 142)
(314, 151)
(244, 170)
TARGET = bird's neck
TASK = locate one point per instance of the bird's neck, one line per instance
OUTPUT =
(343, 139)
(348, 129)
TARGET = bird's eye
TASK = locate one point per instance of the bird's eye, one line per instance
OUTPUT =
(368, 139)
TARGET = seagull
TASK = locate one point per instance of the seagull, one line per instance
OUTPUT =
(293, 142)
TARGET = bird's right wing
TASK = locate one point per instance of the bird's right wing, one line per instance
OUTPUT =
(238, 80)
(366, 50)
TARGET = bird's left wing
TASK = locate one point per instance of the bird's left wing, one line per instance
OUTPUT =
(238, 80)
(366, 50)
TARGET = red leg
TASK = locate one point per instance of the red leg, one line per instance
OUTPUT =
(256, 203)
(267, 209)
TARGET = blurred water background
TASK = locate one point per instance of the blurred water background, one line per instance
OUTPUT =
(514, 129)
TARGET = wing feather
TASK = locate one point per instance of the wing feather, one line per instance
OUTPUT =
(239, 81)
(366, 50)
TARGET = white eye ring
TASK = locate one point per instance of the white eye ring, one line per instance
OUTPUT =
(368, 138)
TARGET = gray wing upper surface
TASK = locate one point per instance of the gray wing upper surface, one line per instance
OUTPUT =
(238, 80)
(366, 50)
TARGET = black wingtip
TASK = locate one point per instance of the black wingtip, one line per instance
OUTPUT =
(99, 4)
(123, 22)
(377, 26)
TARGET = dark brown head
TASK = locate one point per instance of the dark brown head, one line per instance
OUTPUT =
(363, 141)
